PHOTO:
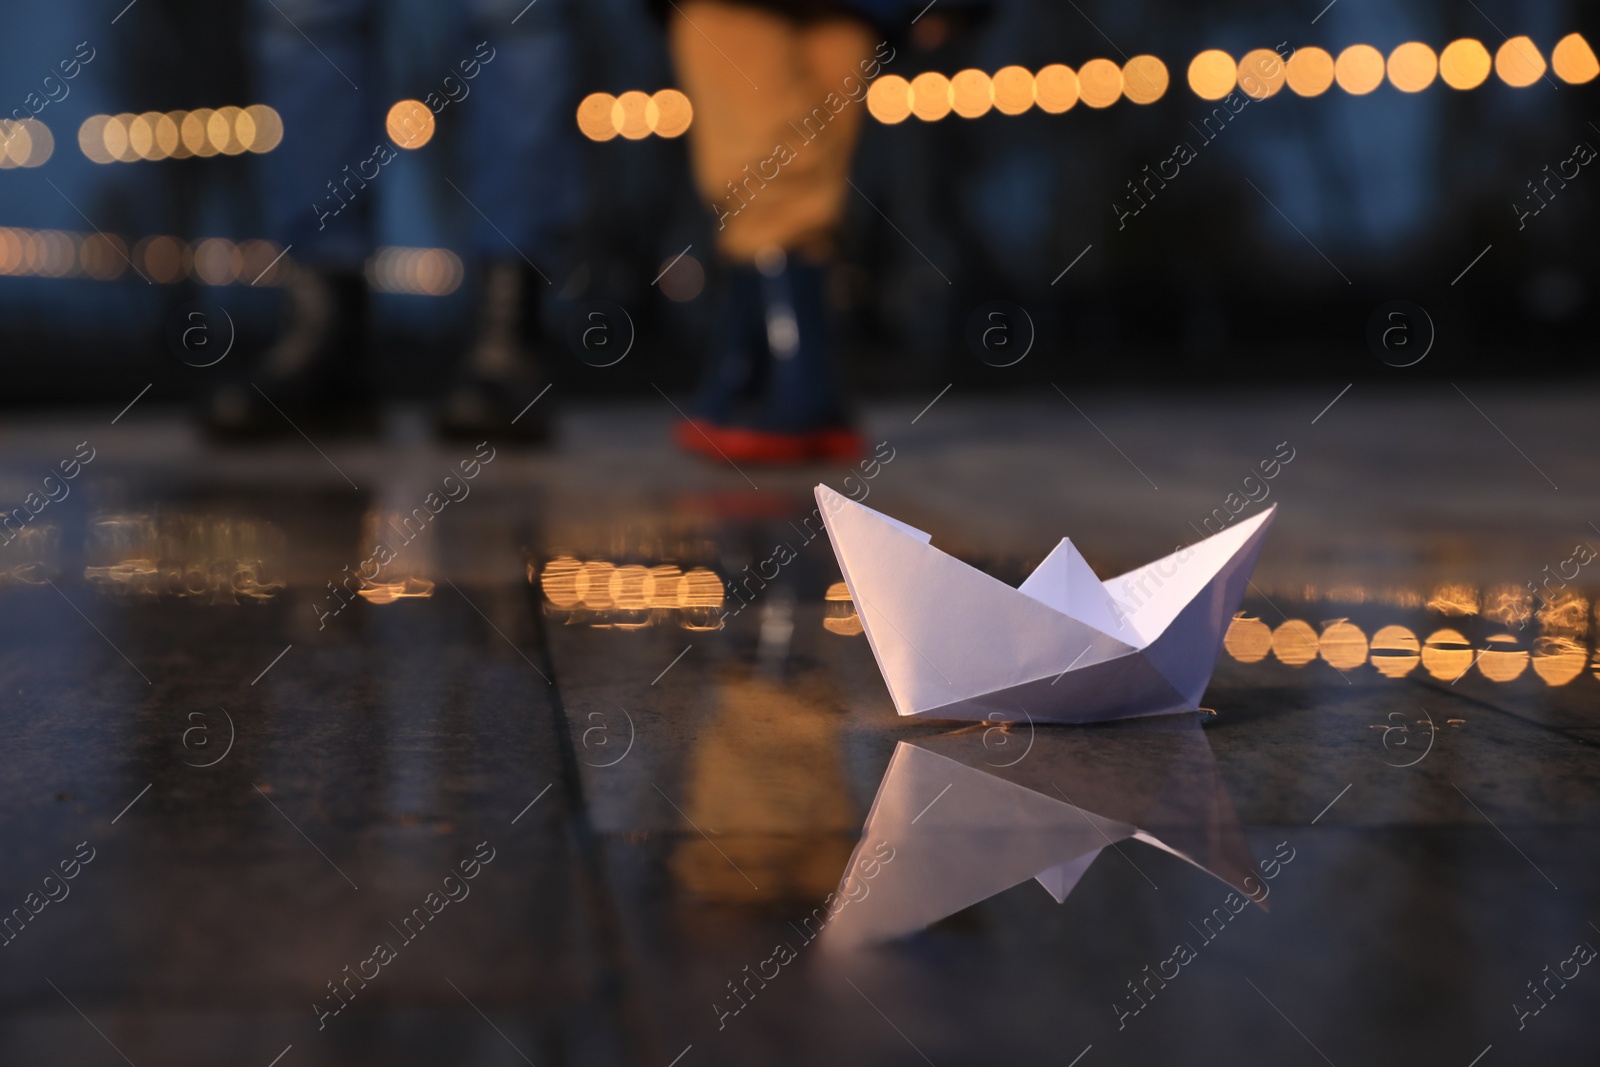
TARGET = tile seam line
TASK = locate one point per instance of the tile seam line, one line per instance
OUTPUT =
(623, 997)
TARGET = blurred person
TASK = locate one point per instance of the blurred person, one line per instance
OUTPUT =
(779, 90)
(521, 169)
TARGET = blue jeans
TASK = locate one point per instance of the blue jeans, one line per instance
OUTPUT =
(521, 162)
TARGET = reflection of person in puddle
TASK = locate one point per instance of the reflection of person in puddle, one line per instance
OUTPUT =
(766, 784)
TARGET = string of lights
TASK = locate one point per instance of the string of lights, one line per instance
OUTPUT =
(212, 261)
(1144, 79)
(154, 135)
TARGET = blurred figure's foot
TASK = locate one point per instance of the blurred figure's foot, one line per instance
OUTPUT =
(312, 375)
(494, 394)
(487, 408)
(770, 395)
(744, 444)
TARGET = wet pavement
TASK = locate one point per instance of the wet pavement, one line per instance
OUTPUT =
(575, 781)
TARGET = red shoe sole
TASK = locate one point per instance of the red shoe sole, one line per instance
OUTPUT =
(740, 444)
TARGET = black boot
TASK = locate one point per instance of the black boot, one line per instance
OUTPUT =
(771, 394)
(493, 394)
(801, 390)
(313, 374)
(733, 378)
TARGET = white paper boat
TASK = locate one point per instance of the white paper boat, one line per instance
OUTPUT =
(954, 643)
(962, 818)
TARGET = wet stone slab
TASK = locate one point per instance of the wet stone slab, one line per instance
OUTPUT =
(273, 776)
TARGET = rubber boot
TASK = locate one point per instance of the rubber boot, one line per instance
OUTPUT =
(313, 375)
(496, 391)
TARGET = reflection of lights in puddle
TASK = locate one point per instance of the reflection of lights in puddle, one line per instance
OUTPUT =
(601, 594)
(1558, 656)
(389, 592)
(1446, 655)
(839, 613)
(1395, 651)
(1295, 643)
(220, 558)
(1248, 639)
(1502, 660)
(1343, 645)
(1454, 599)
(1558, 660)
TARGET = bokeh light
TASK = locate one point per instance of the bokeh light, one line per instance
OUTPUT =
(119, 141)
(630, 115)
(409, 124)
(55, 254)
(141, 130)
(1412, 67)
(1261, 73)
(1573, 60)
(268, 128)
(30, 144)
(673, 113)
(594, 117)
(217, 261)
(162, 259)
(18, 146)
(168, 142)
(156, 135)
(1518, 63)
(92, 139)
(1359, 69)
(195, 132)
(930, 96)
(1309, 71)
(223, 130)
(683, 279)
(1100, 83)
(263, 264)
(1464, 64)
(244, 130)
(104, 257)
(971, 93)
(415, 271)
(1145, 79)
(889, 99)
(1056, 88)
(1213, 74)
(1013, 90)
(38, 253)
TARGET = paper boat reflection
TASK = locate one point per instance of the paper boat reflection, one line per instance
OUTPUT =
(954, 643)
(963, 827)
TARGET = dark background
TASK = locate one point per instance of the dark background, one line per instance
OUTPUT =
(1210, 284)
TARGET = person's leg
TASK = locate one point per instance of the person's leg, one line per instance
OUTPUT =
(522, 168)
(803, 389)
(310, 56)
(776, 123)
(304, 51)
